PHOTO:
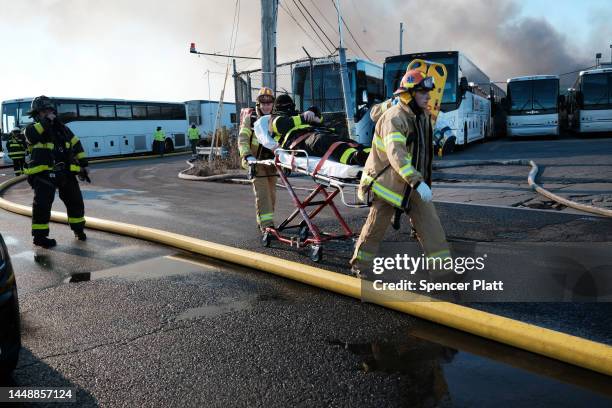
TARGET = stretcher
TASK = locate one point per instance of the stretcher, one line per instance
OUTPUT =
(332, 179)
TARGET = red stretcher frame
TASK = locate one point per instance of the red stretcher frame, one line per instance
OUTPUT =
(309, 233)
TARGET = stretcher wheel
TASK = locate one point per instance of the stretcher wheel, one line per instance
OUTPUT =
(303, 234)
(266, 239)
(316, 253)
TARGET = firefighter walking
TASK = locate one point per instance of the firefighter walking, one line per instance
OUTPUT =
(159, 141)
(264, 180)
(17, 147)
(397, 174)
(57, 158)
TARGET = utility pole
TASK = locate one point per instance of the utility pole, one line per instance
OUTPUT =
(401, 38)
(346, 88)
(269, 11)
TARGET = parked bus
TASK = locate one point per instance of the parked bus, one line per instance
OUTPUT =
(465, 114)
(533, 105)
(108, 127)
(498, 113)
(592, 101)
(366, 88)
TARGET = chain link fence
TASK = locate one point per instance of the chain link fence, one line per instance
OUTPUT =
(301, 79)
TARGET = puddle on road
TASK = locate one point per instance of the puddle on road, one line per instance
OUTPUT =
(227, 305)
(109, 194)
(439, 366)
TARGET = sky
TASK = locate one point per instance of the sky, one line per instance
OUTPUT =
(139, 49)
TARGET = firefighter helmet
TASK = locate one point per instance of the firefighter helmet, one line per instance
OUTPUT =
(16, 129)
(415, 80)
(265, 95)
(41, 103)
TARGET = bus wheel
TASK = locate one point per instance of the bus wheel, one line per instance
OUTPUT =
(168, 146)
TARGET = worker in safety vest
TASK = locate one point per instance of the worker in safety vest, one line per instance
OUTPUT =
(17, 147)
(194, 137)
(264, 177)
(159, 141)
(295, 131)
(57, 158)
(397, 174)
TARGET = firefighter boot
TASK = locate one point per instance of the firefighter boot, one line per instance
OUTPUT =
(44, 242)
(80, 235)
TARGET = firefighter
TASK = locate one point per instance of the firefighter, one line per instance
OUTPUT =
(159, 141)
(57, 157)
(292, 130)
(397, 174)
(16, 146)
(264, 181)
(194, 137)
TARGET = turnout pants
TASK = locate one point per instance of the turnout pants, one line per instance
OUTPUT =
(44, 193)
(318, 143)
(18, 165)
(424, 219)
(264, 188)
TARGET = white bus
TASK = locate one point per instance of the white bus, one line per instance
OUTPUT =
(108, 127)
(533, 105)
(592, 101)
(366, 88)
(465, 114)
(203, 113)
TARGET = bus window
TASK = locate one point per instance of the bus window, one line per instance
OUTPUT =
(519, 94)
(106, 111)
(24, 114)
(88, 111)
(66, 111)
(179, 112)
(124, 112)
(153, 112)
(139, 111)
(545, 95)
(9, 116)
(166, 112)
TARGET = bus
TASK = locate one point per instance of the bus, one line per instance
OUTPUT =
(498, 113)
(592, 101)
(366, 88)
(465, 114)
(108, 127)
(533, 104)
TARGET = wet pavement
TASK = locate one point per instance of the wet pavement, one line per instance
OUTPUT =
(182, 329)
(140, 324)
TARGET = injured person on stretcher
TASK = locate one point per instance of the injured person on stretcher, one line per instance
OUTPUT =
(289, 130)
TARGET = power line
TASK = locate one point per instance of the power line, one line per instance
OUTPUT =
(330, 24)
(351, 34)
(312, 27)
(315, 21)
(286, 10)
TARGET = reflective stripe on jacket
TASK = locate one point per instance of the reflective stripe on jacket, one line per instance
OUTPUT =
(41, 139)
(390, 168)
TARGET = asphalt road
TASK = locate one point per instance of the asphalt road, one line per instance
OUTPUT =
(148, 326)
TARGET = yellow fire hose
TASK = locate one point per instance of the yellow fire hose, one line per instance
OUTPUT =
(570, 349)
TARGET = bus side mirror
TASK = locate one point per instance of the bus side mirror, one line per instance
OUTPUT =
(463, 86)
(504, 103)
(579, 98)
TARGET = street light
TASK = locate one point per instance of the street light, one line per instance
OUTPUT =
(597, 58)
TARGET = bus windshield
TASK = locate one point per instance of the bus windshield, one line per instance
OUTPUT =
(395, 70)
(327, 87)
(596, 90)
(537, 96)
